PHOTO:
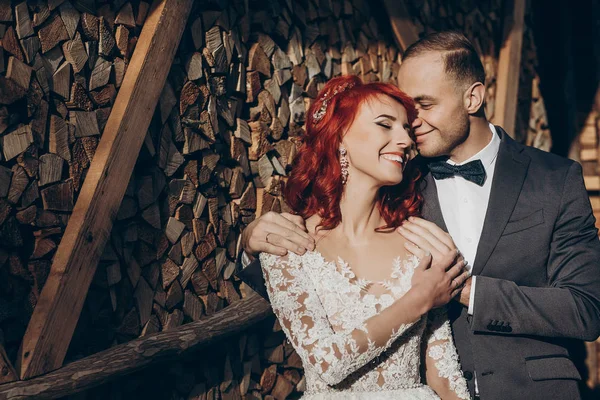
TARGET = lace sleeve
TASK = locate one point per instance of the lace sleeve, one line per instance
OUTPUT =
(333, 355)
(443, 370)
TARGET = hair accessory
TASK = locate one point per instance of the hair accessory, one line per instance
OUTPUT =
(344, 164)
(320, 113)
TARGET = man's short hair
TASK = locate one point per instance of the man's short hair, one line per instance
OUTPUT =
(461, 60)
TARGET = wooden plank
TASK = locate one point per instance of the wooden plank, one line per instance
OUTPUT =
(405, 31)
(125, 16)
(589, 154)
(136, 354)
(62, 81)
(75, 52)
(53, 33)
(588, 136)
(24, 28)
(16, 142)
(19, 72)
(595, 200)
(509, 67)
(54, 318)
(592, 183)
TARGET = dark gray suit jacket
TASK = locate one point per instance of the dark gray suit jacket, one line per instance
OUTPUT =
(538, 278)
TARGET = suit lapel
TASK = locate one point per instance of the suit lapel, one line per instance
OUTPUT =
(431, 206)
(509, 175)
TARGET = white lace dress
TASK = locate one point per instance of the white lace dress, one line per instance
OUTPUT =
(323, 310)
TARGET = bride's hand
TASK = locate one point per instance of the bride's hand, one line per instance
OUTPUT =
(430, 238)
(436, 285)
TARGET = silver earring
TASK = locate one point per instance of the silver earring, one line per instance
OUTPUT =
(344, 164)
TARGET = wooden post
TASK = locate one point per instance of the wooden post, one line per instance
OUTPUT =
(131, 356)
(509, 67)
(55, 316)
(405, 32)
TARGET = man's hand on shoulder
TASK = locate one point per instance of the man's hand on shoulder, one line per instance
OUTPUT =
(276, 234)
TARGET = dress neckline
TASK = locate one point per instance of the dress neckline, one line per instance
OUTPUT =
(362, 283)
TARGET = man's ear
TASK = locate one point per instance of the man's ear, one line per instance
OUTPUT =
(474, 97)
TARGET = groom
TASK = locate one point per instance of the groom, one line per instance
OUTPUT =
(521, 217)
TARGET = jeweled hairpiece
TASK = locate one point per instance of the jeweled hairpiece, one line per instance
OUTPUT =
(320, 113)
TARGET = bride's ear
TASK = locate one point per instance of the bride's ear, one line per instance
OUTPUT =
(474, 97)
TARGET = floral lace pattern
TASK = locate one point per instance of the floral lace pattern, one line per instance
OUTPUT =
(442, 350)
(323, 309)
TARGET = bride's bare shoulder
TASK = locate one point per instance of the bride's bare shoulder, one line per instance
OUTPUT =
(392, 236)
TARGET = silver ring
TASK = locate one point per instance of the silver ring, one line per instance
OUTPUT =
(267, 237)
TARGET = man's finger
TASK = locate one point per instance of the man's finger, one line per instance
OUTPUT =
(462, 278)
(295, 236)
(272, 249)
(458, 260)
(286, 223)
(280, 241)
(419, 241)
(415, 250)
(427, 235)
(434, 229)
(456, 269)
(296, 219)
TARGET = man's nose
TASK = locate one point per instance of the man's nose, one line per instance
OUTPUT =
(404, 140)
(417, 123)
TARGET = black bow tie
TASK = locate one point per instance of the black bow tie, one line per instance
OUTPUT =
(472, 171)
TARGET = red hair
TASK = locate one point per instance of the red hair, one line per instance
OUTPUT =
(315, 182)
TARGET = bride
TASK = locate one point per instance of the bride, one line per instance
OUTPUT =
(365, 309)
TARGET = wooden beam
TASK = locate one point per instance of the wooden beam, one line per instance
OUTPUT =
(54, 318)
(405, 31)
(509, 67)
(131, 356)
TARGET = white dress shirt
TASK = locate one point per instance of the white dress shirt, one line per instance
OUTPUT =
(464, 205)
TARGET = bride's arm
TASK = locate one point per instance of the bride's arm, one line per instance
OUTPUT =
(442, 369)
(334, 355)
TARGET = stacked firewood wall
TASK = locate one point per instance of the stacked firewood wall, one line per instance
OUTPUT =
(62, 64)
(215, 157)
